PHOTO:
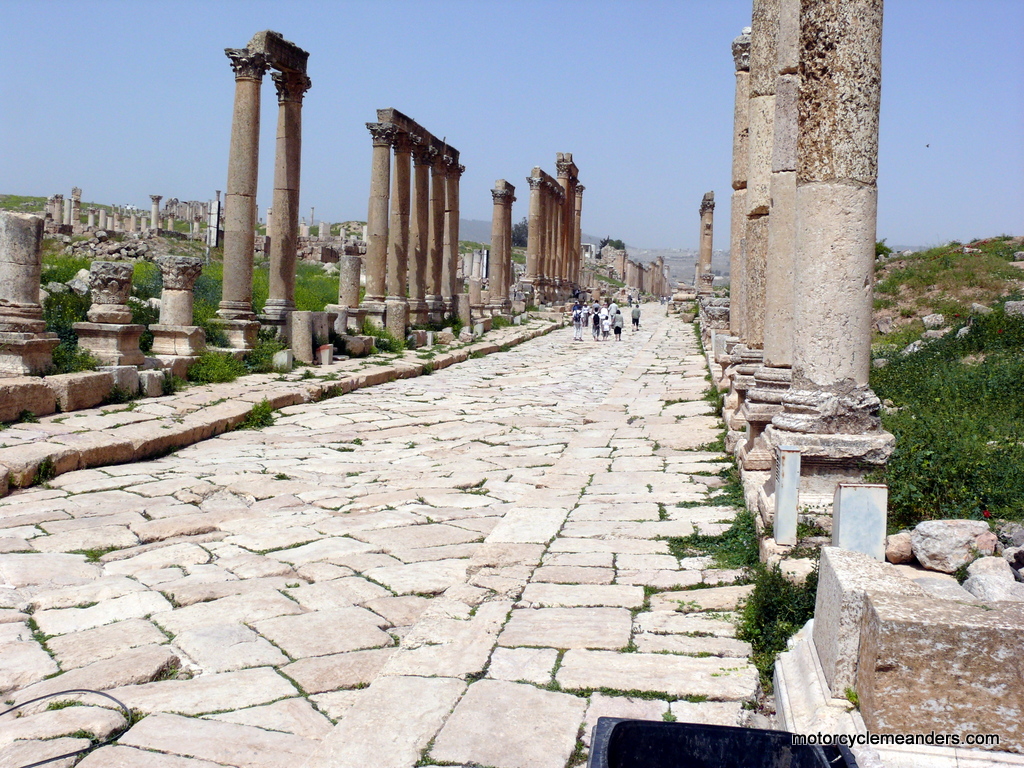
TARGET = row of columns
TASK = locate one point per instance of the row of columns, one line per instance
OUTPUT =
(67, 212)
(553, 256)
(250, 64)
(802, 234)
(412, 251)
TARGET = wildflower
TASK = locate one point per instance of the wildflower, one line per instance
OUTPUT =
(986, 513)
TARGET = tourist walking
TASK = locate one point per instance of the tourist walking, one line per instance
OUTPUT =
(617, 322)
(636, 317)
(577, 322)
(606, 323)
(595, 321)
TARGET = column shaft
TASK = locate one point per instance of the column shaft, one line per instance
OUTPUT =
(419, 235)
(377, 216)
(435, 247)
(398, 233)
(534, 225)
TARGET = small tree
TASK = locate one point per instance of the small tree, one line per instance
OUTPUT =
(520, 233)
(617, 244)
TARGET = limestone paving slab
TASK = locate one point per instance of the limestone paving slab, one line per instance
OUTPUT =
(429, 577)
(61, 621)
(607, 628)
(532, 665)
(129, 757)
(228, 647)
(77, 649)
(488, 724)
(320, 674)
(207, 693)
(621, 706)
(572, 595)
(288, 715)
(322, 633)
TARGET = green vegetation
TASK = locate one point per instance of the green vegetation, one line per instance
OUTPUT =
(384, 340)
(958, 418)
(261, 415)
(617, 244)
(772, 614)
(216, 368)
(736, 548)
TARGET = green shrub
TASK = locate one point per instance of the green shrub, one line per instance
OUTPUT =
(147, 282)
(70, 358)
(384, 340)
(774, 612)
(261, 415)
(261, 358)
(60, 268)
(736, 548)
(500, 322)
(215, 368)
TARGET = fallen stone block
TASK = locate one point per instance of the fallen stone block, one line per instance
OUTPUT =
(992, 578)
(844, 580)
(937, 665)
(25, 393)
(76, 391)
(151, 383)
(125, 376)
(945, 545)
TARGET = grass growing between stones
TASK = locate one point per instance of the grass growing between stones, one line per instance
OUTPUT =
(958, 417)
(261, 415)
(772, 614)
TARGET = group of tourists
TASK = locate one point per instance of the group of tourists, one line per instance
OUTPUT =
(602, 319)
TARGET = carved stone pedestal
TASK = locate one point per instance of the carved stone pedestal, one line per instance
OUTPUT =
(178, 340)
(762, 403)
(374, 312)
(25, 354)
(112, 343)
(242, 334)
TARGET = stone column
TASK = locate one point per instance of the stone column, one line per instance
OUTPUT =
(291, 87)
(383, 136)
(76, 207)
(763, 47)
(577, 243)
(772, 380)
(109, 333)
(349, 268)
(738, 219)
(270, 215)
(500, 265)
(92, 218)
(133, 222)
(58, 209)
(830, 412)
(707, 234)
(154, 215)
(235, 311)
(66, 220)
(535, 235)
(419, 235)
(103, 218)
(25, 347)
(451, 233)
(176, 334)
(398, 231)
(435, 244)
(170, 223)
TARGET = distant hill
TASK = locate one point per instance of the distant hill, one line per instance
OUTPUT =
(480, 232)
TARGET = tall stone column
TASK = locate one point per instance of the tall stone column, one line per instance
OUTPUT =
(772, 379)
(830, 412)
(503, 196)
(435, 244)
(383, 135)
(291, 87)
(91, 221)
(76, 207)
(25, 347)
(235, 311)
(450, 287)
(577, 240)
(154, 211)
(707, 234)
(738, 219)
(763, 47)
(103, 218)
(534, 235)
(419, 236)
(58, 209)
(398, 232)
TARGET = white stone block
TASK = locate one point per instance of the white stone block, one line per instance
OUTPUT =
(283, 360)
(858, 518)
(787, 493)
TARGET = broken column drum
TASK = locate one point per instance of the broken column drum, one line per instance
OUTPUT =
(176, 334)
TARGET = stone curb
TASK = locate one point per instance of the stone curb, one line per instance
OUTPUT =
(20, 465)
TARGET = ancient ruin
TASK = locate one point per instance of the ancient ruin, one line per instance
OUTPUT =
(25, 346)
(553, 249)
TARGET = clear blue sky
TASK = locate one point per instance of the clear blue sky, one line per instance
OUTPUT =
(125, 99)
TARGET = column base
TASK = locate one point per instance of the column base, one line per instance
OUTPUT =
(112, 343)
(374, 312)
(241, 334)
(435, 309)
(26, 354)
(762, 403)
(185, 340)
(419, 312)
(396, 317)
(276, 310)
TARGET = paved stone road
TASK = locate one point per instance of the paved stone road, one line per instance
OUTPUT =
(464, 568)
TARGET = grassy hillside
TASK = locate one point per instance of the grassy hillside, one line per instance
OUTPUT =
(956, 406)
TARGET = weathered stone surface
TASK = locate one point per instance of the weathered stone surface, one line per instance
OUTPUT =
(568, 595)
(367, 734)
(238, 609)
(532, 665)
(22, 753)
(420, 578)
(718, 679)
(709, 712)
(219, 742)
(80, 648)
(25, 393)
(160, 557)
(100, 722)
(288, 715)
(24, 663)
(487, 726)
(61, 621)
(844, 581)
(714, 599)
(920, 667)
(75, 391)
(228, 647)
(621, 706)
(23, 570)
(325, 632)
(129, 757)
(608, 628)
(207, 693)
(945, 545)
(674, 623)
(318, 674)
(899, 548)
(992, 579)
(337, 593)
(647, 642)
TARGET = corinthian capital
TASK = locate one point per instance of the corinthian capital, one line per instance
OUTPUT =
(383, 134)
(741, 51)
(536, 182)
(246, 64)
(708, 203)
(291, 86)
